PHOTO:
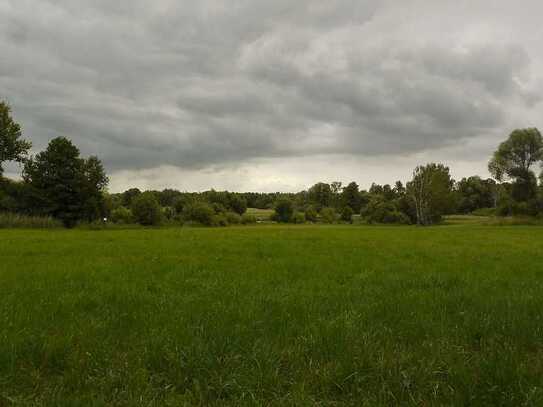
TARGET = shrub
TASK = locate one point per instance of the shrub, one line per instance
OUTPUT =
(380, 211)
(200, 212)
(298, 217)
(218, 208)
(284, 209)
(146, 209)
(510, 207)
(311, 214)
(233, 218)
(347, 214)
(178, 205)
(328, 215)
(219, 220)
(121, 215)
(13, 220)
(169, 213)
(248, 219)
(238, 204)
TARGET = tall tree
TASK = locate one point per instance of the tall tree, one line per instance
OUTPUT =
(514, 160)
(430, 191)
(72, 187)
(351, 197)
(321, 195)
(12, 146)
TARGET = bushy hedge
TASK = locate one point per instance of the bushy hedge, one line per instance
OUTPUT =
(380, 211)
(199, 212)
(347, 214)
(146, 210)
(298, 218)
(248, 219)
(121, 215)
(328, 215)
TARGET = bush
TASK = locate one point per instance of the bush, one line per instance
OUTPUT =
(510, 207)
(298, 218)
(284, 209)
(13, 220)
(311, 214)
(219, 220)
(248, 219)
(380, 211)
(200, 212)
(146, 209)
(219, 208)
(238, 204)
(233, 218)
(328, 215)
(121, 215)
(169, 213)
(347, 214)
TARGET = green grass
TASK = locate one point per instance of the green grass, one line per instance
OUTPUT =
(272, 315)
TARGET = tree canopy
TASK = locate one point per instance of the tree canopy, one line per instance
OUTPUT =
(516, 155)
(72, 187)
(12, 146)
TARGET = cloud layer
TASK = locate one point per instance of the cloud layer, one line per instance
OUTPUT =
(220, 90)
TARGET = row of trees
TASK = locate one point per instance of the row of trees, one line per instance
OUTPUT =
(58, 182)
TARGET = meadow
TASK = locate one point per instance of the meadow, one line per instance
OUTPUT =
(272, 315)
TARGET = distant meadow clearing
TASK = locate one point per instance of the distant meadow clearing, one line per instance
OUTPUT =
(272, 315)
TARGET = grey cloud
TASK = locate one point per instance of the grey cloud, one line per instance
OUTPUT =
(198, 84)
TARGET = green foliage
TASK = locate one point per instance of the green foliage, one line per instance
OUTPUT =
(71, 187)
(475, 193)
(237, 204)
(347, 214)
(431, 193)
(379, 210)
(199, 212)
(524, 188)
(298, 218)
(248, 219)
(233, 218)
(514, 159)
(12, 146)
(284, 209)
(18, 221)
(321, 195)
(517, 154)
(146, 209)
(121, 215)
(169, 213)
(219, 220)
(128, 196)
(311, 214)
(328, 215)
(351, 197)
(219, 208)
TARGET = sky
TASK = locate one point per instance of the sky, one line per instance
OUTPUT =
(261, 95)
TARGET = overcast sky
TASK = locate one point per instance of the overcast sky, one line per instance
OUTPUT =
(272, 95)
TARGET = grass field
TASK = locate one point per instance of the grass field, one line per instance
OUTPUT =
(272, 315)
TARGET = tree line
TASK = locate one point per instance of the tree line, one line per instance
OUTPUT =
(59, 183)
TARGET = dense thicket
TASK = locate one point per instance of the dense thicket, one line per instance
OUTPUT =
(59, 183)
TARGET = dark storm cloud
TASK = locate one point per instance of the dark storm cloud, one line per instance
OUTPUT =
(194, 84)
